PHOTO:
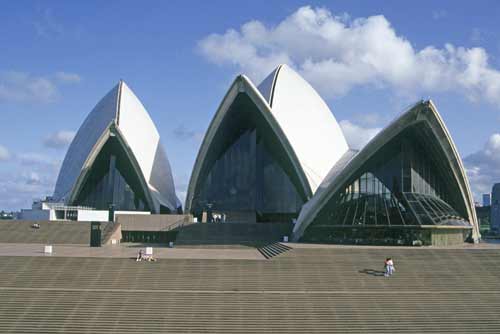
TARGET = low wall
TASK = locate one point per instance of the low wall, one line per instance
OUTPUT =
(447, 237)
(49, 232)
(131, 222)
(114, 234)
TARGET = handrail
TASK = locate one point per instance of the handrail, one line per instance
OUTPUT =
(175, 225)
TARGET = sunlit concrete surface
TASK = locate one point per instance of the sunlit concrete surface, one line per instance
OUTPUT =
(121, 251)
(305, 290)
(492, 244)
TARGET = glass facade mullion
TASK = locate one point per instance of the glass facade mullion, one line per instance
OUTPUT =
(249, 173)
(365, 206)
(354, 222)
(401, 185)
(384, 200)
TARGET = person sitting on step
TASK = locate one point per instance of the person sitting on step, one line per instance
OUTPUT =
(139, 256)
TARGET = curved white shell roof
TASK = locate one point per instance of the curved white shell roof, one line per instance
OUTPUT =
(299, 118)
(122, 110)
(307, 122)
(352, 161)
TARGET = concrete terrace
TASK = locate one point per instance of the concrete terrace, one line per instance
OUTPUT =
(128, 251)
(50, 232)
(309, 289)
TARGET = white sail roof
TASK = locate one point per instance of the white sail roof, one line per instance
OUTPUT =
(298, 116)
(308, 123)
(422, 113)
(122, 110)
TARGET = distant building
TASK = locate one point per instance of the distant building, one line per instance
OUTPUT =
(48, 210)
(486, 199)
(495, 207)
(6, 215)
(483, 216)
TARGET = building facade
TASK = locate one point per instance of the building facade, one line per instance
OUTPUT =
(262, 156)
(116, 160)
(275, 153)
(486, 199)
(495, 208)
(407, 184)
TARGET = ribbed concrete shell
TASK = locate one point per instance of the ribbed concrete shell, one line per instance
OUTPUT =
(119, 114)
(306, 120)
(422, 114)
(297, 116)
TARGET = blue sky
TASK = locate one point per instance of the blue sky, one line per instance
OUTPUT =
(369, 60)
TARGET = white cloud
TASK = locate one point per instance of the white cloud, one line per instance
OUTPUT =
(336, 54)
(33, 178)
(369, 119)
(4, 153)
(357, 136)
(483, 167)
(38, 161)
(19, 189)
(59, 139)
(23, 87)
(65, 77)
(27, 88)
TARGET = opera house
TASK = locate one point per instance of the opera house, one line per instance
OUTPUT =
(407, 183)
(116, 158)
(266, 151)
(275, 153)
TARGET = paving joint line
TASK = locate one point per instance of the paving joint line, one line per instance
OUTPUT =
(276, 292)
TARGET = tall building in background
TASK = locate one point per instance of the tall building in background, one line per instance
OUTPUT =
(486, 199)
(116, 158)
(495, 207)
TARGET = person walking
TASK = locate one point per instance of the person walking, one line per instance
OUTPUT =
(389, 267)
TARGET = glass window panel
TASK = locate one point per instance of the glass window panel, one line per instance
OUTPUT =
(377, 197)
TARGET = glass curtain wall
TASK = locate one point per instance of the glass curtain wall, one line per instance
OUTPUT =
(248, 171)
(112, 180)
(402, 185)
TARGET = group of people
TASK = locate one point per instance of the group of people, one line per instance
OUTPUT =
(218, 217)
(389, 267)
(141, 256)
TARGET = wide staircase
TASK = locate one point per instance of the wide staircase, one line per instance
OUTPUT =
(107, 230)
(314, 290)
(50, 232)
(241, 216)
(232, 234)
(272, 250)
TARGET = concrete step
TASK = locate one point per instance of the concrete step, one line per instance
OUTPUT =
(232, 233)
(336, 290)
(273, 250)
